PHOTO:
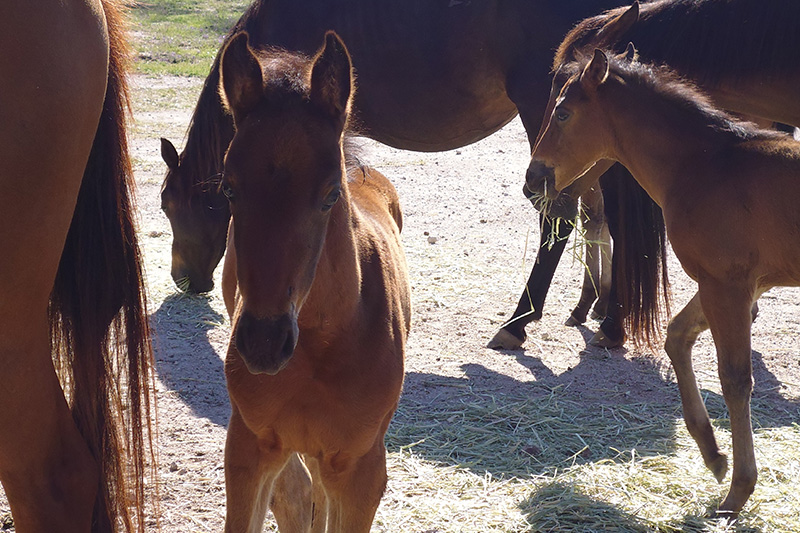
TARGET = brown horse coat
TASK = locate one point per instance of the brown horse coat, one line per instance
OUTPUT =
(316, 281)
(71, 290)
(728, 192)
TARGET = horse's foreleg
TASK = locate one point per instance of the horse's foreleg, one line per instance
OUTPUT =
(593, 223)
(553, 241)
(682, 333)
(250, 473)
(354, 487)
(729, 314)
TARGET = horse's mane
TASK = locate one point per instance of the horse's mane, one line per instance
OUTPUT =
(706, 40)
(211, 127)
(679, 93)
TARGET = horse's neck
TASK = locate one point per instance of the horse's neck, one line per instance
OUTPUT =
(656, 143)
(211, 129)
(334, 296)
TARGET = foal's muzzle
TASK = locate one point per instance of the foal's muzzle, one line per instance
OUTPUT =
(266, 344)
(541, 178)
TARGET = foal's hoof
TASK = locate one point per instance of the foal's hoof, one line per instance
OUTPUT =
(719, 467)
(601, 340)
(504, 340)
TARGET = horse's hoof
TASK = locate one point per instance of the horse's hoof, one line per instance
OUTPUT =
(574, 321)
(597, 316)
(504, 340)
(602, 341)
(719, 467)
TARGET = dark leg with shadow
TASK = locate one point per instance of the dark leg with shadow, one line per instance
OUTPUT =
(512, 334)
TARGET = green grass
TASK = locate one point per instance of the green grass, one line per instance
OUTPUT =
(181, 37)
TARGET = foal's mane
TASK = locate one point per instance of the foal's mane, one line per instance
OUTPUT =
(706, 40)
(681, 94)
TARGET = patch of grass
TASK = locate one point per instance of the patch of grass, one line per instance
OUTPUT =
(181, 37)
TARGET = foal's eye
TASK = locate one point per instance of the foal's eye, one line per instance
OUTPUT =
(561, 115)
(331, 199)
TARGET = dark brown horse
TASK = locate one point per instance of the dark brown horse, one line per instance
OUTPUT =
(315, 279)
(433, 75)
(74, 345)
(743, 53)
(728, 193)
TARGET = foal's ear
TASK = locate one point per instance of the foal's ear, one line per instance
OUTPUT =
(630, 54)
(615, 28)
(332, 78)
(241, 83)
(596, 71)
(169, 154)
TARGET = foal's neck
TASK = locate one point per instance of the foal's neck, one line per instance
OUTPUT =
(659, 141)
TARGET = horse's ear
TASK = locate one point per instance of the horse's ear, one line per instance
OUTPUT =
(332, 78)
(631, 54)
(596, 71)
(241, 84)
(169, 154)
(615, 28)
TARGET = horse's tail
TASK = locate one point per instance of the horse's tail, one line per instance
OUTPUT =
(98, 315)
(640, 245)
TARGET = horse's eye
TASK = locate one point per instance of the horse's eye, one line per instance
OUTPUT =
(331, 199)
(227, 190)
(561, 114)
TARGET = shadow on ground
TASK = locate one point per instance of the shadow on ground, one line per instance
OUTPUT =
(185, 360)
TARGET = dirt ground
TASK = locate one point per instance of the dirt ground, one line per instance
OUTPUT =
(470, 240)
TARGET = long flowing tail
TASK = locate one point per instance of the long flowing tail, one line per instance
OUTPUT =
(641, 277)
(98, 315)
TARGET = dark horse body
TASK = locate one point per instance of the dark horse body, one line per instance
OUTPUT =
(729, 197)
(315, 280)
(743, 53)
(433, 75)
(74, 346)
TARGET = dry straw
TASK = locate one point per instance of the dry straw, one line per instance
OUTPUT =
(551, 464)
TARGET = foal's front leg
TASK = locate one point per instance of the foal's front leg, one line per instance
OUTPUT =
(729, 313)
(354, 488)
(249, 477)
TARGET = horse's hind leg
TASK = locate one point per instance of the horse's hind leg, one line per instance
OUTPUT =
(593, 223)
(291, 502)
(47, 471)
(729, 313)
(682, 333)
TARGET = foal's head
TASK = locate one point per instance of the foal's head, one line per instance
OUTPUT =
(573, 136)
(283, 176)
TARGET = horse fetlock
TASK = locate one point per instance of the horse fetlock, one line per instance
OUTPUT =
(601, 340)
(718, 466)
